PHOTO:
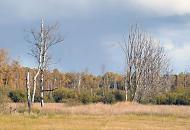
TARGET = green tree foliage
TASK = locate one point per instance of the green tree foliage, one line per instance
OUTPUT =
(61, 95)
(17, 96)
(181, 96)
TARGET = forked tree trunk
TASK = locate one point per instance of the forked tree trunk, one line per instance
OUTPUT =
(44, 39)
(41, 59)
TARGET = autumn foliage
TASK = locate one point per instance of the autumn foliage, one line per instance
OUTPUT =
(106, 88)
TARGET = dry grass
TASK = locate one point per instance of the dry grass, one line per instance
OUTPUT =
(116, 109)
(120, 116)
(89, 122)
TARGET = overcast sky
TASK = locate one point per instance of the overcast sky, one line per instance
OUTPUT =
(93, 28)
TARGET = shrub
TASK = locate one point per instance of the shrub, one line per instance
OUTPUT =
(17, 96)
(85, 98)
(113, 96)
(58, 96)
(49, 97)
(119, 95)
(97, 98)
(99, 92)
(178, 97)
(109, 98)
(37, 98)
(61, 94)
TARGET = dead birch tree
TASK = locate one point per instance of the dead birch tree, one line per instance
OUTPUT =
(146, 64)
(28, 91)
(42, 41)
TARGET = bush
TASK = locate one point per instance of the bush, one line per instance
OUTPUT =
(85, 98)
(109, 98)
(61, 95)
(97, 98)
(70, 97)
(58, 96)
(113, 96)
(37, 97)
(49, 97)
(17, 96)
(178, 97)
(119, 95)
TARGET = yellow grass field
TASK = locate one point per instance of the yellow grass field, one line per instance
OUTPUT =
(120, 116)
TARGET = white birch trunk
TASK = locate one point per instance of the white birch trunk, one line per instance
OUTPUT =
(28, 91)
(34, 86)
(42, 89)
(42, 67)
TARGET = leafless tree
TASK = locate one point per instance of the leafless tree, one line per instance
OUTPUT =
(146, 64)
(42, 41)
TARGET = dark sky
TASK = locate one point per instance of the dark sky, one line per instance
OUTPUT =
(93, 29)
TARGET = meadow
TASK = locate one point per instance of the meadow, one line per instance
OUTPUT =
(119, 116)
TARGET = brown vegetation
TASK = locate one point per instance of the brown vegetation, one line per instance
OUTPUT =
(116, 109)
(120, 116)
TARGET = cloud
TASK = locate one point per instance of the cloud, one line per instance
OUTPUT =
(175, 40)
(179, 55)
(32, 9)
(168, 46)
(162, 7)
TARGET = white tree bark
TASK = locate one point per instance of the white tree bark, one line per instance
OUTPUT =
(43, 40)
(42, 89)
(43, 62)
(34, 85)
(28, 91)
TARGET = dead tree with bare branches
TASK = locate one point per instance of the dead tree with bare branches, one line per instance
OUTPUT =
(42, 41)
(28, 91)
(146, 65)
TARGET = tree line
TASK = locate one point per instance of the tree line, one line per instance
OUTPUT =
(13, 74)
